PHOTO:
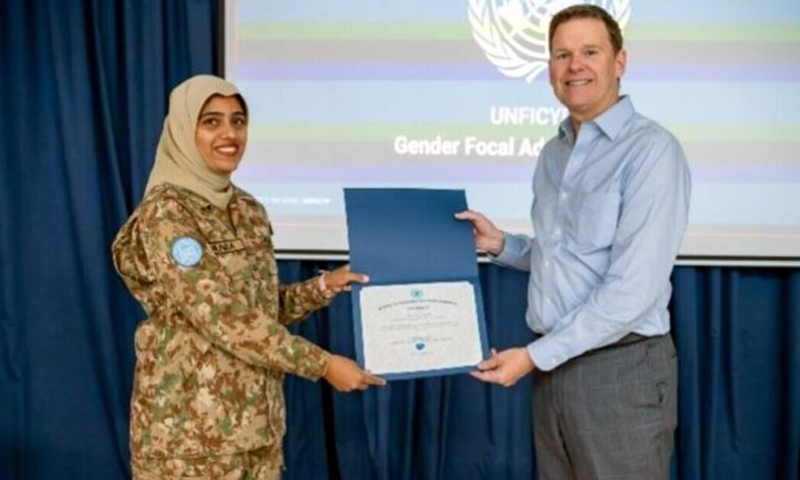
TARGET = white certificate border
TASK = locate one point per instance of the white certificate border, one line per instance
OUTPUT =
(359, 334)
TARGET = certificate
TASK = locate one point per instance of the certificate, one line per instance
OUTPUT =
(421, 314)
(419, 327)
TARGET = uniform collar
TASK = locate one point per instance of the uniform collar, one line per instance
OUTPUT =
(198, 200)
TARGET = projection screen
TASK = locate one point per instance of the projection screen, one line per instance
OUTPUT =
(455, 94)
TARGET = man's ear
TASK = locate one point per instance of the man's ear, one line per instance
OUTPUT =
(620, 62)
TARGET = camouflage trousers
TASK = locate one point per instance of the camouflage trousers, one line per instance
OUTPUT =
(253, 465)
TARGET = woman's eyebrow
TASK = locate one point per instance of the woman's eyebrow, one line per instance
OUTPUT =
(220, 114)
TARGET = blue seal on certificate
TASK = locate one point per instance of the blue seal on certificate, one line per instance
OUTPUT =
(186, 251)
(417, 293)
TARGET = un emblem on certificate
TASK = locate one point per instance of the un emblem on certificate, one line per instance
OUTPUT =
(416, 293)
(186, 251)
(513, 33)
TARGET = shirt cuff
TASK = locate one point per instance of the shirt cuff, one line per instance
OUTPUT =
(547, 354)
(512, 254)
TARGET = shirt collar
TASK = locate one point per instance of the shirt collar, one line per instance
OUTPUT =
(609, 122)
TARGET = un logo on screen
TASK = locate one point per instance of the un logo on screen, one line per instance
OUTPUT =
(513, 33)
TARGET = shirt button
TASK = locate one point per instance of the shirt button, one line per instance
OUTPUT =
(564, 195)
(547, 301)
(557, 231)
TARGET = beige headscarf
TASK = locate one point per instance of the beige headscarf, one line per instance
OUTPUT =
(177, 159)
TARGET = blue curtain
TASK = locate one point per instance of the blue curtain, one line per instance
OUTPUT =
(84, 92)
(738, 336)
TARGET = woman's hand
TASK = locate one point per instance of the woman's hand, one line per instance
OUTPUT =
(345, 375)
(340, 279)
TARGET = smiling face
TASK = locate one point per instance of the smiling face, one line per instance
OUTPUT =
(584, 69)
(221, 134)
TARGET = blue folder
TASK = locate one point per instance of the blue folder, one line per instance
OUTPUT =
(407, 235)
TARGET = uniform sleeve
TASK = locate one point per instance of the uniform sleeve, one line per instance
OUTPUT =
(202, 293)
(298, 300)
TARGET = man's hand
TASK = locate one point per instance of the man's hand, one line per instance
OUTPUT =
(345, 375)
(340, 279)
(487, 237)
(505, 368)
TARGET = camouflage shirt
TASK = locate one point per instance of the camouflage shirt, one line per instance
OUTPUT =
(211, 355)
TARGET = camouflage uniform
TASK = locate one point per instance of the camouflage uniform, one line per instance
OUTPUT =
(208, 388)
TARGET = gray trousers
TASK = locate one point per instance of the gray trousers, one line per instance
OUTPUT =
(608, 414)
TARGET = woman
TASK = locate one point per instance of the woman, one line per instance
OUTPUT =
(197, 253)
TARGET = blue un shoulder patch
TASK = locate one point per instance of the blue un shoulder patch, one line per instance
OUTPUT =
(186, 251)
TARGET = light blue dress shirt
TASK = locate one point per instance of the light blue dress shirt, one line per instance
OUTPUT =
(609, 212)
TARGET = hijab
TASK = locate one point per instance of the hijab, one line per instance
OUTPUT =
(178, 161)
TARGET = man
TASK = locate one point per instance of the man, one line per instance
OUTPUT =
(611, 198)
